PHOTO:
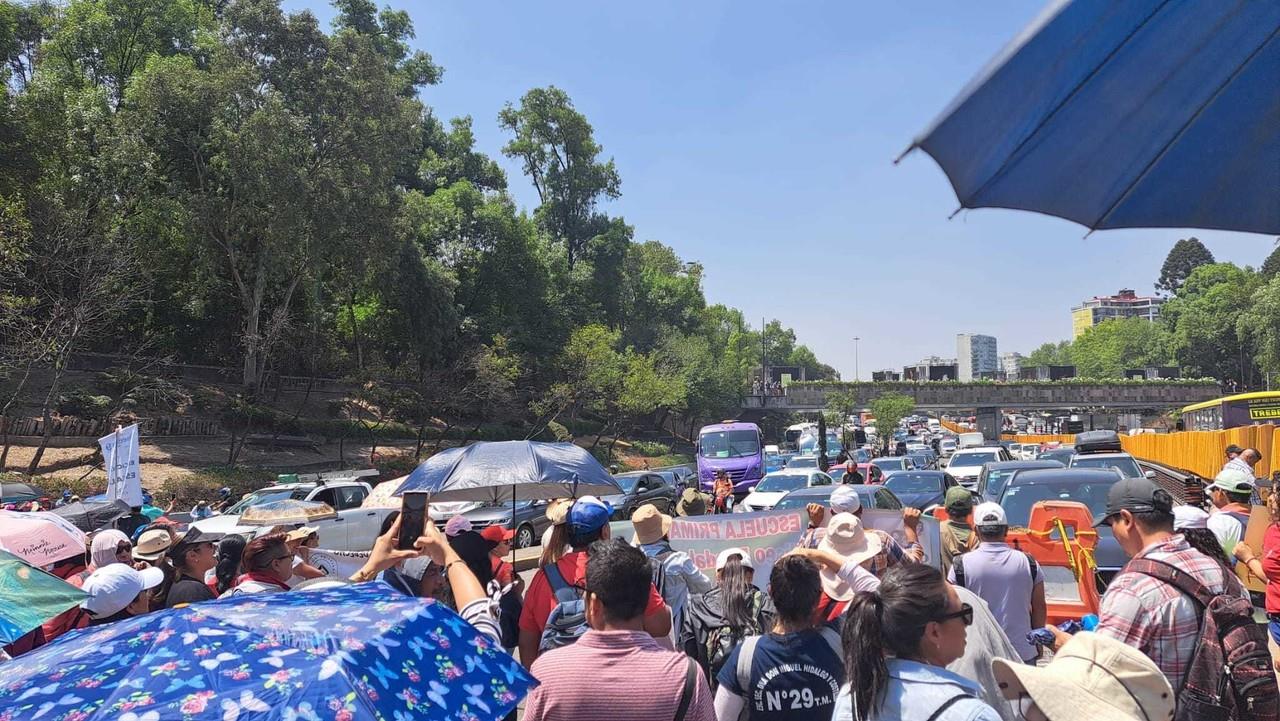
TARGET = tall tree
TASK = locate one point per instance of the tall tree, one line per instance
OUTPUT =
(1260, 324)
(1107, 349)
(1271, 266)
(559, 153)
(1050, 354)
(1185, 256)
(1204, 321)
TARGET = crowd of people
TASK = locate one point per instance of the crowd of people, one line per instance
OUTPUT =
(853, 623)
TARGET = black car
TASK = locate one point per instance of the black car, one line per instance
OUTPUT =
(528, 519)
(870, 496)
(1084, 485)
(919, 489)
(923, 460)
(639, 488)
(994, 475)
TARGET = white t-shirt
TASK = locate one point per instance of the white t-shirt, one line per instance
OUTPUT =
(1227, 528)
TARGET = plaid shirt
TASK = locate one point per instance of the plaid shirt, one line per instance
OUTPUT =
(891, 554)
(1155, 617)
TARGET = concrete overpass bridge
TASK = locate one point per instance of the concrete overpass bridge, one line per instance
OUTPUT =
(1026, 396)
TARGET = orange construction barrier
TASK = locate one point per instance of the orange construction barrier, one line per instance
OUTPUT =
(1060, 536)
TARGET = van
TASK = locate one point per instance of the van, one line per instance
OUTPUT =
(970, 440)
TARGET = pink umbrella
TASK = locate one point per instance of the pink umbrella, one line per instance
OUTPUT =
(40, 538)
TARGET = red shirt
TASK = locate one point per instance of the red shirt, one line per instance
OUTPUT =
(540, 599)
(1271, 566)
(502, 570)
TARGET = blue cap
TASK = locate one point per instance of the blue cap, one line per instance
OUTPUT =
(588, 514)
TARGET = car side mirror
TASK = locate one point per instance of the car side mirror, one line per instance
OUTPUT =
(1150, 474)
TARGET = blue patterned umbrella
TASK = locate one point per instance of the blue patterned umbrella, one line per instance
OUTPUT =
(361, 651)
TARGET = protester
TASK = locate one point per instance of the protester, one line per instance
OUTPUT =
(456, 525)
(1230, 494)
(674, 573)
(502, 569)
(1141, 610)
(474, 551)
(897, 641)
(300, 540)
(224, 501)
(955, 535)
(1244, 460)
(985, 641)
(192, 557)
(1267, 568)
(552, 551)
(845, 499)
(846, 543)
(228, 568)
(586, 522)
(201, 510)
(797, 660)
(616, 670)
(722, 493)
(267, 564)
(74, 571)
(152, 545)
(1092, 677)
(715, 622)
(132, 521)
(1193, 524)
(692, 503)
(110, 546)
(117, 592)
(1009, 581)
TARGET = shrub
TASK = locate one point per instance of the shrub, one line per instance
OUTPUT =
(80, 401)
(650, 448)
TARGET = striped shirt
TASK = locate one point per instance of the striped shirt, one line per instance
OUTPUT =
(1157, 618)
(891, 552)
(614, 675)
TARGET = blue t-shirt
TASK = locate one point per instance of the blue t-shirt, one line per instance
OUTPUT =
(794, 677)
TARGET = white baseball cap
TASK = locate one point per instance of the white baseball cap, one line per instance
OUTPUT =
(989, 514)
(112, 588)
(844, 499)
(1185, 517)
(723, 557)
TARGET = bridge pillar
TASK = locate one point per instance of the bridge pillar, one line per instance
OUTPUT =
(989, 421)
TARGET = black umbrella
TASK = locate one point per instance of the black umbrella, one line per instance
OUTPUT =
(89, 517)
(18, 492)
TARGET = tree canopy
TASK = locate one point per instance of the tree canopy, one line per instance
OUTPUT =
(1185, 256)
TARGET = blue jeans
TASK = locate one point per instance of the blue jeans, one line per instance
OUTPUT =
(1274, 628)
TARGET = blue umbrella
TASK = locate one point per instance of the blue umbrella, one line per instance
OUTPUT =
(361, 651)
(505, 471)
(1135, 114)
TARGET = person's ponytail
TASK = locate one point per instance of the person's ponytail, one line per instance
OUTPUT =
(553, 549)
(863, 644)
(735, 594)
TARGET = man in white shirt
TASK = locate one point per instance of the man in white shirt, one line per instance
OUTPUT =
(1230, 493)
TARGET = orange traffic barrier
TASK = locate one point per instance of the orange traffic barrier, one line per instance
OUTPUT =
(1065, 558)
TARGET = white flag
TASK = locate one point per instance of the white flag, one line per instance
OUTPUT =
(120, 456)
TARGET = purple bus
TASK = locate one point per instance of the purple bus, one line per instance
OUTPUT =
(737, 449)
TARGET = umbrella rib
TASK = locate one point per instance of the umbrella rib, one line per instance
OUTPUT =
(1164, 150)
(1007, 163)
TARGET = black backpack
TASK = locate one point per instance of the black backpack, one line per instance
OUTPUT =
(1230, 676)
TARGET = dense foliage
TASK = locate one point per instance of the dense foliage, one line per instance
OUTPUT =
(225, 183)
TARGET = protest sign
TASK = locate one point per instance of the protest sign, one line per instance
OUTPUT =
(338, 564)
(765, 535)
(120, 457)
(890, 521)
(1259, 520)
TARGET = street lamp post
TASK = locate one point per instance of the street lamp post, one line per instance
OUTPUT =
(856, 376)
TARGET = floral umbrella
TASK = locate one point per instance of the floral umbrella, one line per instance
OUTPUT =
(361, 651)
(286, 512)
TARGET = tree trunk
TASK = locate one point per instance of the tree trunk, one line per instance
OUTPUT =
(355, 330)
(6, 423)
(59, 366)
(252, 328)
(444, 434)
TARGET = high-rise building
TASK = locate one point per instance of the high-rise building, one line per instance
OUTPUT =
(1010, 364)
(932, 368)
(976, 356)
(1125, 304)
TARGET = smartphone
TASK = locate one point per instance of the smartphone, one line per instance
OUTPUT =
(413, 514)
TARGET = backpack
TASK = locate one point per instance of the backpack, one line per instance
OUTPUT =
(659, 567)
(1229, 677)
(568, 618)
(957, 566)
(721, 640)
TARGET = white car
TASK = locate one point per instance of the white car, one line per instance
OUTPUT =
(775, 485)
(355, 528)
(799, 462)
(965, 465)
(947, 446)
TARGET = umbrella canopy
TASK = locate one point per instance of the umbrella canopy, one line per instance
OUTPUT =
(364, 649)
(384, 495)
(29, 597)
(503, 471)
(1136, 114)
(89, 516)
(286, 512)
(18, 492)
(40, 538)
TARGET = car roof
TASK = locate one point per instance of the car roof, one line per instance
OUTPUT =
(1104, 455)
(1036, 476)
(986, 449)
(1006, 465)
(914, 471)
(861, 489)
(633, 474)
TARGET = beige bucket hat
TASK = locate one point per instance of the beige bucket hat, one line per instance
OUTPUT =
(846, 538)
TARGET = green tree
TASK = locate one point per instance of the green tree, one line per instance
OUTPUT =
(889, 409)
(1271, 266)
(559, 153)
(1185, 256)
(1203, 319)
(1260, 325)
(1107, 349)
(1050, 354)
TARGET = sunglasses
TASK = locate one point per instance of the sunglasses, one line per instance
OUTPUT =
(124, 548)
(965, 614)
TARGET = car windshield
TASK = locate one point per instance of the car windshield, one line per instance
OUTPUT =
(628, 483)
(267, 496)
(1019, 498)
(914, 483)
(803, 462)
(863, 455)
(799, 500)
(973, 459)
(783, 482)
(889, 464)
(1127, 466)
(997, 478)
(809, 444)
(729, 444)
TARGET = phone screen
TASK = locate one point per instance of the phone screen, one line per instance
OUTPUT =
(413, 514)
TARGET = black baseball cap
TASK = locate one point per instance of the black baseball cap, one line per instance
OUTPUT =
(1233, 448)
(192, 537)
(1137, 495)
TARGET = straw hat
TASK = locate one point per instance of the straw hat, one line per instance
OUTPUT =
(152, 545)
(1092, 677)
(650, 524)
(558, 510)
(848, 539)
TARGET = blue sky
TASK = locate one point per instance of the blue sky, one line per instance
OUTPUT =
(758, 139)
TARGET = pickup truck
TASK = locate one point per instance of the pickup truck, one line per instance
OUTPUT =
(354, 529)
